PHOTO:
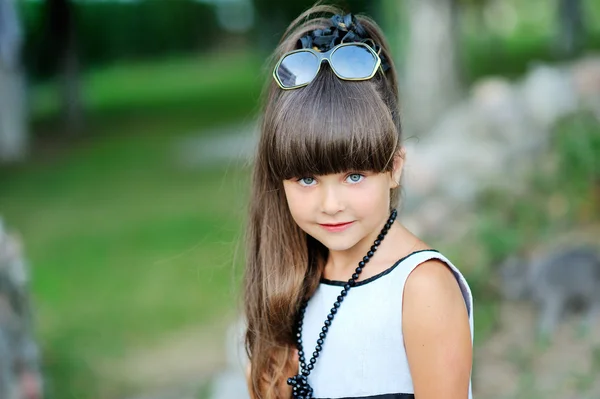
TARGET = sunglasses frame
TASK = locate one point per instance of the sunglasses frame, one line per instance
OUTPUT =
(327, 56)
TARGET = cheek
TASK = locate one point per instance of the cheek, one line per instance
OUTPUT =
(295, 201)
(372, 196)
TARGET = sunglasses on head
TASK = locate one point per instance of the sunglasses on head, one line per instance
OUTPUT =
(348, 61)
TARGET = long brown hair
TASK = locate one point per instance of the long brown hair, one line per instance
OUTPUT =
(329, 126)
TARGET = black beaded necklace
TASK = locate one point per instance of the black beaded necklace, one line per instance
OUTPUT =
(299, 382)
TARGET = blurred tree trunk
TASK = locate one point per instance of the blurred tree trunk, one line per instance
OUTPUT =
(432, 78)
(14, 139)
(571, 27)
(61, 36)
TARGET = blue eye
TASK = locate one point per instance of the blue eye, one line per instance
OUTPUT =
(355, 178)
(306, 181)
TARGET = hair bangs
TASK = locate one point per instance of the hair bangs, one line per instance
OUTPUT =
(331, 126)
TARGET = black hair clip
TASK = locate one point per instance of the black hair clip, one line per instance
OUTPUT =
(344, 29)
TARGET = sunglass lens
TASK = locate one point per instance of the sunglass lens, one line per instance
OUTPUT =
(297, 69)
(353, 62)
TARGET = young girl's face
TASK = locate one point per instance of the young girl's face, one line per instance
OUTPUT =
(341, 209)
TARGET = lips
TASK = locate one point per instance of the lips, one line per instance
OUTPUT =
(336, 227)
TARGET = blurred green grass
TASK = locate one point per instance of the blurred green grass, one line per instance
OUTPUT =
(121, 259)
(205, 89)
(126, 246)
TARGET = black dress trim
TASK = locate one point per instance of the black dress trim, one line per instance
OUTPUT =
(370, 279)
(384, 396)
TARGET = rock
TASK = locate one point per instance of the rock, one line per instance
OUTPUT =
(18, 348)
(548, 94)
(586, 80)
(492, 139)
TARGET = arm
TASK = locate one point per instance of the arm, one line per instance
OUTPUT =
(436, 332)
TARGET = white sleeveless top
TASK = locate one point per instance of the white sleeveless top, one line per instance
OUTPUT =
(363, 355)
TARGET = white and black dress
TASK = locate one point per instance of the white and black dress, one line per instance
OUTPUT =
(364, 355)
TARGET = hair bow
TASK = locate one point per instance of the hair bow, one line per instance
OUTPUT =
(344, 29)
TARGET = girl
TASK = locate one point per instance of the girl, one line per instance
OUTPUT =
(341, 300)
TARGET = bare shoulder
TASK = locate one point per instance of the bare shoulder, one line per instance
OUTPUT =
(432, 285)
(436, 331)
(430, 277)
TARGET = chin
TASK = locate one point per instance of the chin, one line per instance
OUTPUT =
(340, 243)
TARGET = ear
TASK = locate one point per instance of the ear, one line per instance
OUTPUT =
(396, 173)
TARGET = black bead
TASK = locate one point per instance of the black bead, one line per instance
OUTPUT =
(301, 388)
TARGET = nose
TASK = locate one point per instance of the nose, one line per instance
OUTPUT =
(332, 200)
